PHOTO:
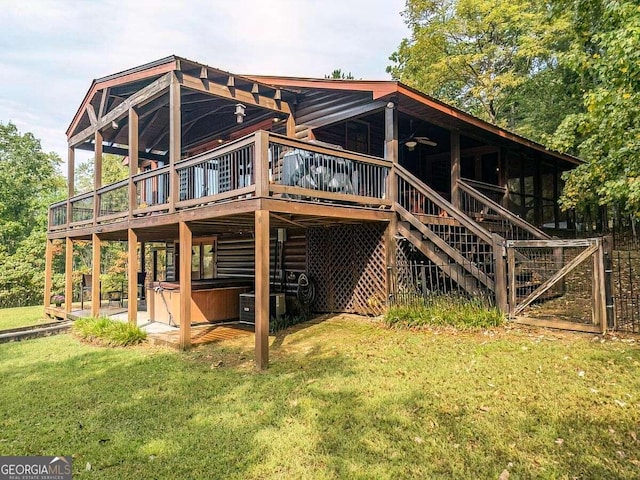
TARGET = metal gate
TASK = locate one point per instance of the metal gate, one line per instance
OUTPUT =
(559, 283)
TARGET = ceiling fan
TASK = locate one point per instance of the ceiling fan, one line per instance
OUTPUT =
(413, 140)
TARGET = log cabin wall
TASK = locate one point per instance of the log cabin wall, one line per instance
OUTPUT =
(236, 259)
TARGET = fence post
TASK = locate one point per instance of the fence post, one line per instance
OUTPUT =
(500, 273)
(607, 244)
(511, 269)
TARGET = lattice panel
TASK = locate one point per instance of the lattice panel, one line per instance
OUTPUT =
(347, 262)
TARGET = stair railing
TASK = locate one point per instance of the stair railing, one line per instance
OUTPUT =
(448, 228)
(482, 209)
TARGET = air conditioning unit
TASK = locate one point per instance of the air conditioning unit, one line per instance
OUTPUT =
(277, 306)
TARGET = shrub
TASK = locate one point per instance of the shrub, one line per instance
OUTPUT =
(443, 310)
(108, 332)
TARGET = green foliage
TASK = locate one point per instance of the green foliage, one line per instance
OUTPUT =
(30, 181)
(443, 310)
(607, 132)
(112, 171)
(108, 332)
(483, 56)
(338, 74)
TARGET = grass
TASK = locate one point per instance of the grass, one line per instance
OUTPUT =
(343, 398)
(21, 317)
(444, 310)
(108, 332)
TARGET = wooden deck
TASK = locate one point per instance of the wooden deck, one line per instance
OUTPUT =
(202, 334)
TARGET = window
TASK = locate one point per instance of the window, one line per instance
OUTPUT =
(203, 258)
(357, 136)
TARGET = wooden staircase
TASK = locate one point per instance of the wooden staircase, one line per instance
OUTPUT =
(466, 244)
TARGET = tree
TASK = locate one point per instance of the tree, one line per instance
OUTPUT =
(487, 57)
(606, 52)
(30, 181)
(338, 74)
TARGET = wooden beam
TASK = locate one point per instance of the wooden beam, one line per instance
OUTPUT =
(133, 159)
(103, 102)
(262, 288)
(48, 272)
(139, 98)
(175, 141)
(95, 275)
(132, 276)
(186, 240)
(455, 168)
(91, 112)
(238, 95)
(68, 275)
(125, 152)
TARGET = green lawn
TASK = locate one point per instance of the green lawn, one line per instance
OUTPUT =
(22, 317)
(345, 398)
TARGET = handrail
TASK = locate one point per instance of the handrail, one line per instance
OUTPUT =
(82, 196)
(488, 186)
(112, 186)
(150, 173)
(347, 154)
(444, 205)
(217, 152)
(503, 212)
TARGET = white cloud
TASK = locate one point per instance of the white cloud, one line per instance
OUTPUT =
(50, 51)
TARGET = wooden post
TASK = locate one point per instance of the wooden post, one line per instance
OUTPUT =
(607, 245)
(261, 163)
(558, 263)
(132, 276)
(97, 175)
(291, 126)
(455, 168)
(186, 241)
(511, 271)
(599, 289)
(133, 159)
(501, 273)
(143, 269)
(262, 288)
(71, 172)
(175, 141)
(68, 275)
(95, 276)
(391, 153)
(48, 272)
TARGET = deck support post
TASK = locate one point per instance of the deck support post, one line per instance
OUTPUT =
(175, 140)
(391, 153)
(68, 275)
(261, 167)
(262, 289)
(48, 273)
(133, 159)
(186, 240)
(455, 168)
(95, 275)
(132, 277)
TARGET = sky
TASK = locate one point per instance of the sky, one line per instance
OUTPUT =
(51, 50)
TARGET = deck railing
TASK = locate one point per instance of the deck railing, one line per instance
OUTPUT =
(262, 163)
(303, 171)
(113, 201)
(493, 216)
(152, 189)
